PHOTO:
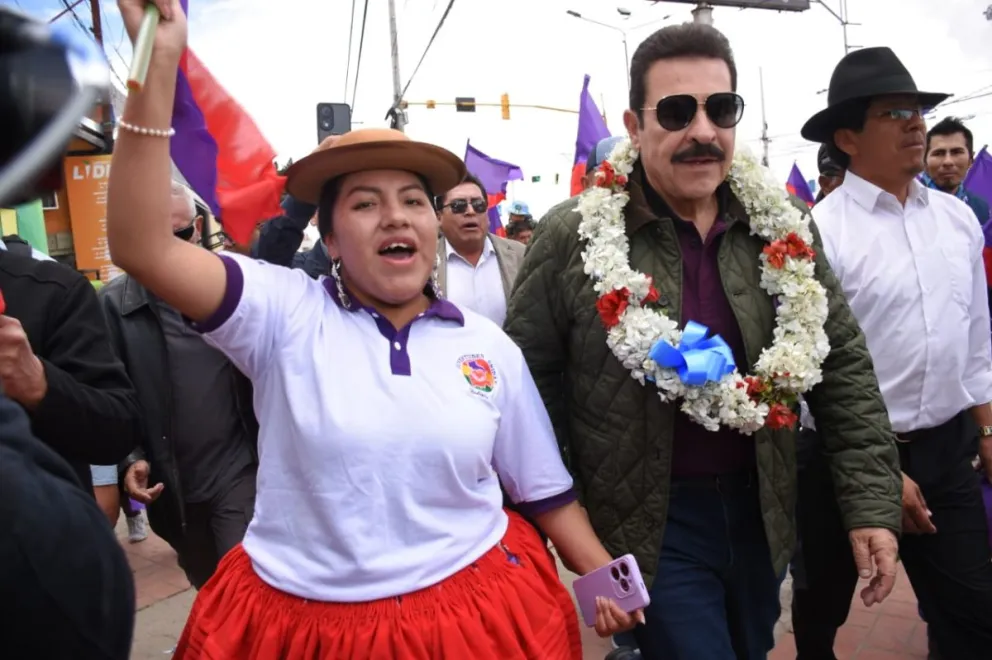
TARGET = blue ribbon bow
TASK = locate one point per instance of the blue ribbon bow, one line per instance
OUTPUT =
(697, 360)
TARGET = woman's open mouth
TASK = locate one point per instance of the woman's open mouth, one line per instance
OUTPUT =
(398, 252)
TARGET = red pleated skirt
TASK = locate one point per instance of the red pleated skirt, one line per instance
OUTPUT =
(508, 605)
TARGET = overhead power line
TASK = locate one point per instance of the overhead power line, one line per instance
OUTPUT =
(440, 23)
(358, 64)
(351, 35)
(71, 9)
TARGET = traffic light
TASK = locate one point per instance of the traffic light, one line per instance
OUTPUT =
(504, 102)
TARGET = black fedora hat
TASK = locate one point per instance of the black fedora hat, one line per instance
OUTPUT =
(862, 74)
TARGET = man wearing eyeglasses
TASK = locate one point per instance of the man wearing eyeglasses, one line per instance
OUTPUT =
(476, 269)
(709, 515)
(194, 468)
(909, 259)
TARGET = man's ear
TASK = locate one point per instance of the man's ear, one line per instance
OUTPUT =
(632, 123)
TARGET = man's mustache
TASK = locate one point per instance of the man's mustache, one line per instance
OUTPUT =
(700, 150)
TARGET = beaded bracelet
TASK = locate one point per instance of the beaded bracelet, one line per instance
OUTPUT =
(141, 130)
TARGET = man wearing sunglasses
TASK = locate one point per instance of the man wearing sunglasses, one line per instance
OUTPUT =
(476, 269)
(909, 260)
(709, 515)
(194, 468)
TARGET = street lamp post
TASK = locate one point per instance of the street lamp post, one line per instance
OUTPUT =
(623, 35)
(841, 17)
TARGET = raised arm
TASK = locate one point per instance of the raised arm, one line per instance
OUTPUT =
(139, 234)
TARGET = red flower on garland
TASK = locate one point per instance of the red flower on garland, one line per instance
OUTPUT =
(776, 252)
(798, 248)
(790, 246)
(612, 305)
(780, 417)
(756, 387)
(653, 295)
(606, 176)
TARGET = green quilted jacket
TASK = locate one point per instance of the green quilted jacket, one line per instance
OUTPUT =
(616, 435)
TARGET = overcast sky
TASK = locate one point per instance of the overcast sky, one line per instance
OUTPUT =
(281, 57)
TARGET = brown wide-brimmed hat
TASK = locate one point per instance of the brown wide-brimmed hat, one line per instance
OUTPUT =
(374, 149)
(862, 74)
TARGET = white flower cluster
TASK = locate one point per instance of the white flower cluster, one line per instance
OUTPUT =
(800, 343)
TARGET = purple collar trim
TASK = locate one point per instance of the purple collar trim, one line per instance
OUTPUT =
(439, 307)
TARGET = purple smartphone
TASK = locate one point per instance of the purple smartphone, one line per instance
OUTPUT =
(619, 580)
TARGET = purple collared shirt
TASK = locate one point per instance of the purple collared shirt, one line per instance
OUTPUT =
(696, 451)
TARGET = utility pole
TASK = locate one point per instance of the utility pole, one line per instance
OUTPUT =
(398, 115)
(106, 111)
(765, 140)
(703, 14)
(841, 17)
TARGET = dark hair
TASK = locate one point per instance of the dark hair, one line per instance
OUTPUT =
(469, 178)
(329, 195)
(952, 126)
(519, 226)
(686, 40)
(851, 115)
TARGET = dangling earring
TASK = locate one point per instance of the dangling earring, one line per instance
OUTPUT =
(435, 287)
(338, 284)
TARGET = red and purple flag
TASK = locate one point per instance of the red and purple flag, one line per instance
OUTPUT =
(494, 174)
(796, 185)
(221, 153)
(592, 129)
(979, 181)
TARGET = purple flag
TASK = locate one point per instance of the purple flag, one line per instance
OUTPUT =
(494, 175)
(796, 185)
(979, 177)
(592, 129)
(979, 181)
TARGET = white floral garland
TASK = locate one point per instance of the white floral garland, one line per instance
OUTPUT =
(787, 368)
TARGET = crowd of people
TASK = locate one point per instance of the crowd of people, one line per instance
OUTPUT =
(369, 448)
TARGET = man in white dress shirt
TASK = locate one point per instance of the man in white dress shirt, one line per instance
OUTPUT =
(909, 260)
(476, 268)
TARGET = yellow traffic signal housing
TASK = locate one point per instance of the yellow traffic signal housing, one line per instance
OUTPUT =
(431, 105)
(504, 102)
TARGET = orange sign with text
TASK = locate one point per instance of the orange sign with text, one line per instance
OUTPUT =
(86, 180)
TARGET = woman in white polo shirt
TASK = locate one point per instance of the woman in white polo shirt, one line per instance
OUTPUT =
(388, 418)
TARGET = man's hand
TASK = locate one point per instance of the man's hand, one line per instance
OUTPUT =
(878, 546)
(327, 143)
(916, 517)
(22, 374)
(136, 483)
(985, 454)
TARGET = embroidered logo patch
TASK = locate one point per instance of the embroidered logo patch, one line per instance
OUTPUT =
(478, 373)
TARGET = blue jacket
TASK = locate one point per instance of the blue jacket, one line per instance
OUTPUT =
(978, 205)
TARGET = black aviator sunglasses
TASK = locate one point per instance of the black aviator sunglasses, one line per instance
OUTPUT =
(676, 112)
(460, 206)
(185, 233)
